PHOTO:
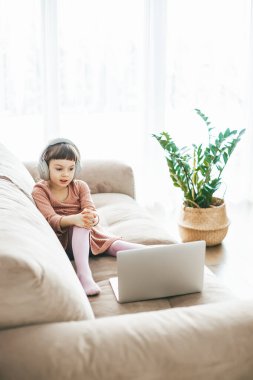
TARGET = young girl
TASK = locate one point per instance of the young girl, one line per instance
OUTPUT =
(67, 205)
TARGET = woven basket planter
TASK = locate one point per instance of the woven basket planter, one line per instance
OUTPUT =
(209, 224)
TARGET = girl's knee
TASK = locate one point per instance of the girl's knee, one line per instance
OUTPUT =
(80, 231)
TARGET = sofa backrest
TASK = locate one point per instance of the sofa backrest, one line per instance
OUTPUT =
(13, 169)
(102, 176)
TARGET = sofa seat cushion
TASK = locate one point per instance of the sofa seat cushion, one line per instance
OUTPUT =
(37, 281)
(103, 267)
(122, 216)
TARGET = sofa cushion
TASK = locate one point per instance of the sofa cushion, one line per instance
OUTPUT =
(122, 216)
(14, 170)
(37, 281)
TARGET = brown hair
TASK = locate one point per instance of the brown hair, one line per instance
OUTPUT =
(61, 151)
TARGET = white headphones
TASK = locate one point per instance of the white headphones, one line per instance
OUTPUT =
(43, 166)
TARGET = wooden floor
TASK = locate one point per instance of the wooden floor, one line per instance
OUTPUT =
(232, 261)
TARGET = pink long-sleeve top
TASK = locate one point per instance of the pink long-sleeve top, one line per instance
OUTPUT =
(78, 198)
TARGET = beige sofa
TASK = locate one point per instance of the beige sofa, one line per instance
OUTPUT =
(50, 330)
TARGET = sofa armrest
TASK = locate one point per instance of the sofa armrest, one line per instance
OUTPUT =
(210, 342)
(102, 176)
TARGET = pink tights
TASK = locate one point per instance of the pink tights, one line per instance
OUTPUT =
(80, 248)
(121, 245)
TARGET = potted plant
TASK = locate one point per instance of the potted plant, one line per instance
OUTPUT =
(197, 171)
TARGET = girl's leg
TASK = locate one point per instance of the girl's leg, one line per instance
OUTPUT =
(121, 245)
(80, 248)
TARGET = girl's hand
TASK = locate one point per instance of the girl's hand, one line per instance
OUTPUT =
(85, 219)
(79, 222)
(90, 218)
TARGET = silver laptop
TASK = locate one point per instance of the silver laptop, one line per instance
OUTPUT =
(159, 271)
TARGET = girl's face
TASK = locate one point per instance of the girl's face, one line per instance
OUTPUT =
(61, 172)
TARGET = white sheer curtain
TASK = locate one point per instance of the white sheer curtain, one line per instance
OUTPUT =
(101, 75)
(21, 85)
(108, 74)
(82, 62)
(209, 67)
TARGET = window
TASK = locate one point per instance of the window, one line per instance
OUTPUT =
(107, 74)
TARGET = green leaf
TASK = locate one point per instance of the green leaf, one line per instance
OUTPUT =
(220, 137)
(213, 149)
(241, 132)
(227, 133)
(225, 157)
